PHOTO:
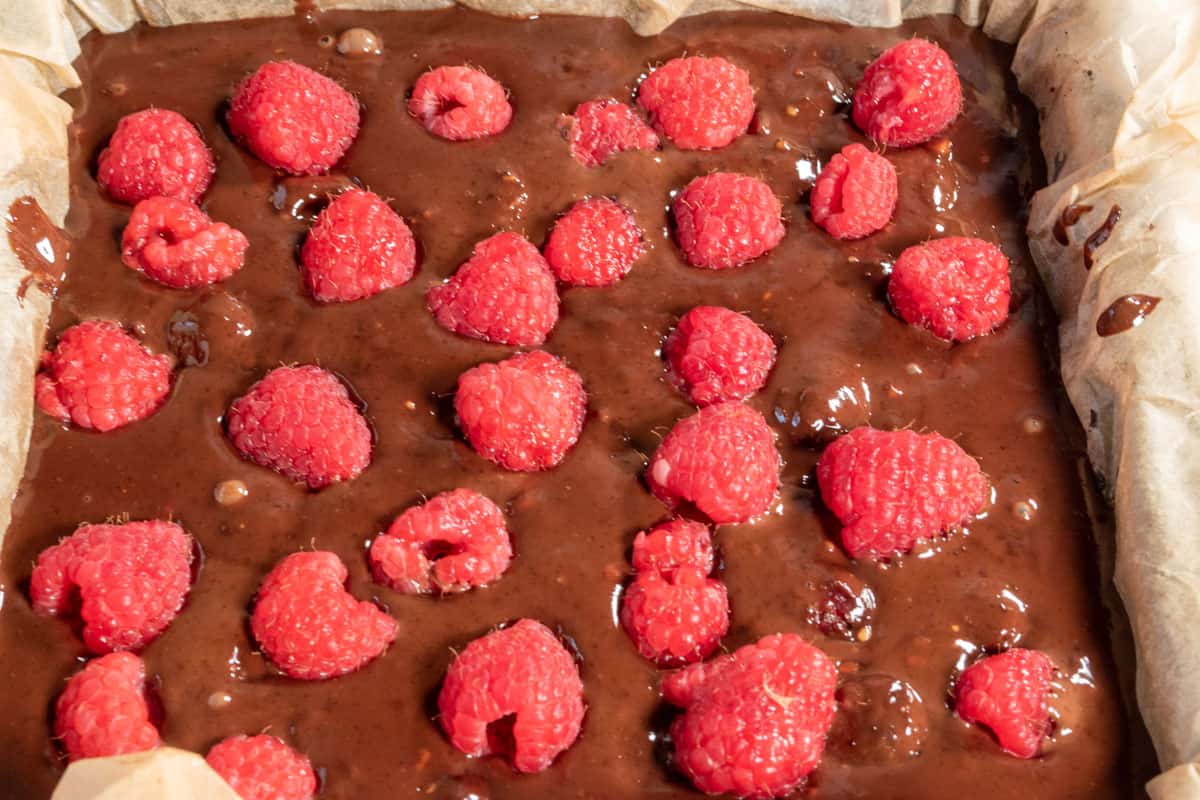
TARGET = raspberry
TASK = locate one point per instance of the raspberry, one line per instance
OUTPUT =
(310, 626)
(155, 153)
(957, 287)
(301, 422)
(175, 243)
(715, 354)
(460, 103)
(908, 95)
(698, 103)
(358, 247)
(855, 194)
(755, 721)
(293, 118)
(891, 489)
(105, 709)
(515, 692)
(724, 219)
(503, 293)
(1009, 693)
(99, 377)
(602, 128)
(127, 581)
(673, 611)
(263, 768)
(594, 244)
(452, 543)
(523, 413)
(722, 460)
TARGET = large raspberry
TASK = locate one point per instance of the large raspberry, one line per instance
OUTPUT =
(722, 460)
(600, 129)
(175, 243)
(293, 118)
(908, 95)
(724, 219)
(958, 287)
(454, 542)
(1009, 693)
(891, 489)
(100, 377)
(594, 244)
(460, 103)
(105, 709)
(155, 153)
(515, 692)
(523, 413)
(755, 721)
(310, 626)
(358, 247)
(503, 293)
(715, 355)
(855, 194)
(698, 103)
(263, 768)
(127, 581)
(301, 422)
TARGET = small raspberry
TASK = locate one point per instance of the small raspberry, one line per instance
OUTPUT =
(855, 194)
(454, 542)
(293, 118)
(724, 219)
(301, 422)
(503, 293)
(602, 128)
(263, 768)
(155, 153)
(310, 626)
(99, 377)
(460, 103)
(958, 287)
(127, 581)
(594, 244)
(698, 103)
(755, 721)
(908, 95)
(891, 489)
(175, 243)
(358, 247)
(523, 413)
(1009, 693)
(715, 354)
(105, 709)
(515, 692)
(722, 460)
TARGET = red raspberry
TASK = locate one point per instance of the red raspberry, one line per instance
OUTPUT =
(100, 377)
(1009, 693)
(722, 460)
(454, 542)
(503, 293)
(515, 692)
(358, 247)
(263, 768)
(724, 219)
(301, 422)
(855, 194)
(175, 243)
(594, 244)
(523, 413)
(105, 709)
(891, 489)
(698, 103)
(602, 128)
(155, 153)
(715, 355)
(908, 95)
(755, 721)
(460, 103)
(293, 118)
(310, 626)
(673, 611)
(957, 287)
(127, 581)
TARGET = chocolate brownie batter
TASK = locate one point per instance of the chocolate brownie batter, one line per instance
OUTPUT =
(1025, 573)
